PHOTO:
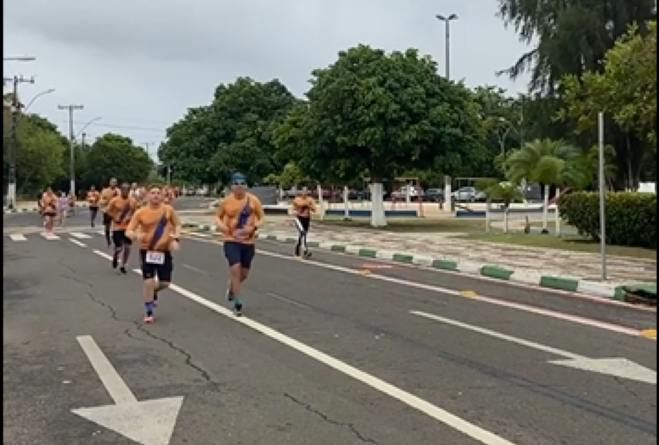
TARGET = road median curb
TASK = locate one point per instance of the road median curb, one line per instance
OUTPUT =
(567, 284)
(7, 211)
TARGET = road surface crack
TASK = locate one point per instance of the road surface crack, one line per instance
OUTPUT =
(350, 426)
(189, 361)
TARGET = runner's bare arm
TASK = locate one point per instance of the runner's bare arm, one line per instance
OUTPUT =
(259, 216)
(176, 222)
(219, 217)
(131, 230)
(312, 205)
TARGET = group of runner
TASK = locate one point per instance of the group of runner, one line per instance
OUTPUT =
(144, 216)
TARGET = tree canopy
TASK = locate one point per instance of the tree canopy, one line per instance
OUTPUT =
(115, 156)
(378, 113)
(233, 133)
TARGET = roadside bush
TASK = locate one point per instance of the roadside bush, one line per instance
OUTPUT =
(631, 218)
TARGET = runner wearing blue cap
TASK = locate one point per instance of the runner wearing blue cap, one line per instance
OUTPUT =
(238, 218)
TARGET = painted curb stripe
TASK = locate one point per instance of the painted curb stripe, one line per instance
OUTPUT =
(568, 284)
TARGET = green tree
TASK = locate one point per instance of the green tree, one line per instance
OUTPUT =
(626, 89)
(233, 133)
(290, 176)
(550, 163)
(40, 148)
(115, 156)
(384, 114)
(504, 192)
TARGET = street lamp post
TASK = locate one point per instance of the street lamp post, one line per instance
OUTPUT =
(447, 40)
(43, 93)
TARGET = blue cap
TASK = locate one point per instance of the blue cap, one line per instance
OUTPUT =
(238, 177)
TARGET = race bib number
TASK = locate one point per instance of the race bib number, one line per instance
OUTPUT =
(155, 258)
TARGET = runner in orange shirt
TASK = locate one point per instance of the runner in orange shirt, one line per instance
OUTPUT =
(121, 209)
(157, 228)
(238, 217)
(49, 209)
(93, 198)
(106, 195)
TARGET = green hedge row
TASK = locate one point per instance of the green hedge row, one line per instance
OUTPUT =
(631, 218)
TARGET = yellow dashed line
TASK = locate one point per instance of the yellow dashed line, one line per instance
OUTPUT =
(468, 293)
(364, 272)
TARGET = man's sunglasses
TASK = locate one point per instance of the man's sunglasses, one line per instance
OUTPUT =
(238, 182)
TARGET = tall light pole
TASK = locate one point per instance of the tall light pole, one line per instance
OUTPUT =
(72, 138)
(43, 93)
(447, 40)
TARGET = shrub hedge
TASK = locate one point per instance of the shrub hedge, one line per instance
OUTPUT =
(631, 218)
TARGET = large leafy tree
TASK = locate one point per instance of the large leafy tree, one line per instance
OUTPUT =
(39, 152)
(116, 156)
(233, 133)
(382, 114)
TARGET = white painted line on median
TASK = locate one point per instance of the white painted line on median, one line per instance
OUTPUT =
(616, 367)
(17, 237)
(456, 293)
(77, 243)
(451, 420)
(112, 381)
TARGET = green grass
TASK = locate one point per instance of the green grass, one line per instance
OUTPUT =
(569, 243)
(408, 225)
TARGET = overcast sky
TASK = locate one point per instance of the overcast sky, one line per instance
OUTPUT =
(140, 64)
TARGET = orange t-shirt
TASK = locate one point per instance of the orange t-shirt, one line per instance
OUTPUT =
(49, 202)
(93, 197)
(106, 195)
(121, 210)
(146, 219)
(304, 206)
(230, 212)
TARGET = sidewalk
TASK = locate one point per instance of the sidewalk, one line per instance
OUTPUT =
(552, 268)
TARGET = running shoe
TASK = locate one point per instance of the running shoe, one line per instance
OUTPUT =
(148, 319)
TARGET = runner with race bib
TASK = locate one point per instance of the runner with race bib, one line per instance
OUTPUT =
(157, 229)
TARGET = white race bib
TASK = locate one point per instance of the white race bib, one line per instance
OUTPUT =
(155, 258)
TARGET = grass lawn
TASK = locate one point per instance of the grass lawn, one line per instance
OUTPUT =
(408, 225)
(571, 243)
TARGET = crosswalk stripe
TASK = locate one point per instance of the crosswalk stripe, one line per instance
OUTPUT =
(79, 235)
(17, 237)
(50, 236)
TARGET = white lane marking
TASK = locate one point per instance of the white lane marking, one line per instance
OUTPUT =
(103, 254)
(616, 367)
(77, 243)
(17, 237)
(287, 300)
(415, 402)
(485, 299)
(50, 236)
(195, 269)
(199, 234)
(80, 235)
(112, 381)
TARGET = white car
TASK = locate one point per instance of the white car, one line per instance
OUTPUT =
(401, 193)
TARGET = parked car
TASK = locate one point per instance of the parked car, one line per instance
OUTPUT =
(468, 194)
(434, 195)
(401, 193)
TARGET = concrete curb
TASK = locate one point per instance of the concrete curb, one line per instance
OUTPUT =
(568, 284)
(7, 211)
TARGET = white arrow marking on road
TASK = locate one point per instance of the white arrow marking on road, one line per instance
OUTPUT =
(616, 367)
(149, 422)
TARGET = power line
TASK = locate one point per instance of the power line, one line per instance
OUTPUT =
(118, 127)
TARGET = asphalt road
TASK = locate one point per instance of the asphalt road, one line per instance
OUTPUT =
(347, 363)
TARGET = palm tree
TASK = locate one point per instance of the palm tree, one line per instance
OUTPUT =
(550, 163)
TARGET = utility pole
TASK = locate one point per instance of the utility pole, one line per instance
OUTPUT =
(15, 110)
(72, 140)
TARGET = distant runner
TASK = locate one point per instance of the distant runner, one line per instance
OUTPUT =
(62, 208)
(49, 209)
(157, 228)
(238, 217)
(93, 197)
(121, 209)
(303, 206)
(106, 195)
